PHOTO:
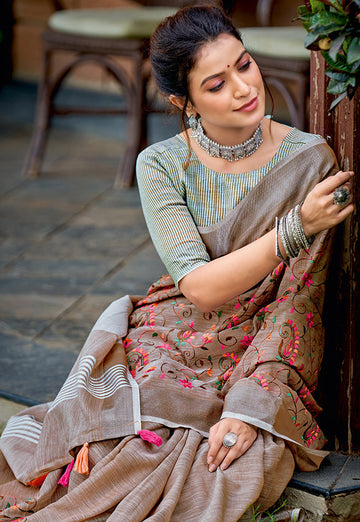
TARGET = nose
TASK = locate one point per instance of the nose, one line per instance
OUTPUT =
(241, 87)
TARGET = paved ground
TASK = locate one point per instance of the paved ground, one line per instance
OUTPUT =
(69, 242)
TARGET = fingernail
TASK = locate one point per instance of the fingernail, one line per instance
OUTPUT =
(212, 467)
(223, 467)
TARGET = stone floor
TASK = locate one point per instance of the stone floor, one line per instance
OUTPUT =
(69, 242)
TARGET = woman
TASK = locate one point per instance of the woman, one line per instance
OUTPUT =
(224, 352)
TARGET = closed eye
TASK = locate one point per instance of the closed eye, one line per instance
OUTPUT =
(217, 87)
(244, 66)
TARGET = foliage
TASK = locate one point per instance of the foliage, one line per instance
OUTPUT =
(267, 516)
(333, 27)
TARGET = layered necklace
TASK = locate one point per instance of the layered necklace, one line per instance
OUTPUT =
(229, 153)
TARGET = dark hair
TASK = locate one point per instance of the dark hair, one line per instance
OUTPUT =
(176, 41)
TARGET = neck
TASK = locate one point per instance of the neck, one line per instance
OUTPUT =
(229, 137)
(228, 152)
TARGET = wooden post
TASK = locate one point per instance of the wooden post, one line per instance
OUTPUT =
(340, 381)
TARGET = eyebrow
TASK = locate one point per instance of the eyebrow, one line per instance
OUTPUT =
(222, 72)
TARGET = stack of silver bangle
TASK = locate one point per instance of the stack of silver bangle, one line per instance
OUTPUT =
(291, 232)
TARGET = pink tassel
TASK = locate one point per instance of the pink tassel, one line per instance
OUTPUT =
(150, 436)
(64, 479)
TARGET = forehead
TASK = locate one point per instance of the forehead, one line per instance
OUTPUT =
(211, 56)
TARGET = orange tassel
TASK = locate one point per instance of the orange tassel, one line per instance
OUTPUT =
(38, 481)
(82, 460)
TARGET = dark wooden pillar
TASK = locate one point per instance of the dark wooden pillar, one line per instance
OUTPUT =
(340, 381)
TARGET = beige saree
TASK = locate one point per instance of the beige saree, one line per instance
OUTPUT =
(158, 363)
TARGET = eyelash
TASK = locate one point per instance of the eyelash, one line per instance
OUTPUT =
(243, 67)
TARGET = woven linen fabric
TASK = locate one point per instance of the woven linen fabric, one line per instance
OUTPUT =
(159, 363)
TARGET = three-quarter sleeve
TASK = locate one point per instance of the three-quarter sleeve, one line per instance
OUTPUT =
(170, 223)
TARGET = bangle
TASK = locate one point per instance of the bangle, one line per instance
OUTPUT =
(277, 247)
(291, 232)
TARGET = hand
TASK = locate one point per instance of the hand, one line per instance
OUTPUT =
(218, 455)
(318, 212)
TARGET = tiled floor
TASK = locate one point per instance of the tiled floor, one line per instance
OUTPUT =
(69, 242)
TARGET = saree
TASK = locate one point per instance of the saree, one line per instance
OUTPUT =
(156, 373)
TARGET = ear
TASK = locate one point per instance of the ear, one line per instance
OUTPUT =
(179, 101)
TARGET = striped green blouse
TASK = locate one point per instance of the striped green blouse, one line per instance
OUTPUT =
(176, 201)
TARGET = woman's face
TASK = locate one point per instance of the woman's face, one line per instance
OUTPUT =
(226, 88)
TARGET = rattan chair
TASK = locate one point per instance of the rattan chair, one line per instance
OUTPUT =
(97, 35)
(283, 60)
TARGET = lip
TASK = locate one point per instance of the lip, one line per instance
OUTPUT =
(250, 106)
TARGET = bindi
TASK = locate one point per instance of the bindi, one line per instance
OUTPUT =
(228, 66)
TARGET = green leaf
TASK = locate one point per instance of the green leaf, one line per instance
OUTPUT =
(336, 87)
(337, 101)
(302, 11)
(353, 54)
(220, 313)
(356, 67)
(336, 46)
(312, 38)
(339, 64)
(154, 335)
(338, 76)
(316, 5)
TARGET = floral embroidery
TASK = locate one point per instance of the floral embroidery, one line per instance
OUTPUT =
(311, 434)
(246, 341)
(207, 338)
(306, 278)
(310, 319)
(260, 379)
(186, 383)
(127, 342)
(166, 346)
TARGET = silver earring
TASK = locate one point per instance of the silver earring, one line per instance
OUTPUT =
(193, 123)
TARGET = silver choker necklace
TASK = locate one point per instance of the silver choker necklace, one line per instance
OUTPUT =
(228, 153)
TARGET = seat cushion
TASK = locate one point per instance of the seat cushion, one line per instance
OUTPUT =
(110, 23)
(280, 42)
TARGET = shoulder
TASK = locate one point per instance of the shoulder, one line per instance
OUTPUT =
(311, 151)
(172, 147)
(162, 164)
(297, 136)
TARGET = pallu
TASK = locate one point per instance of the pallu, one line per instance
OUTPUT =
(126, 438)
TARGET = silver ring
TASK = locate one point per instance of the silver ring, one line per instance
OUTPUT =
(230, 439)
(341, 196)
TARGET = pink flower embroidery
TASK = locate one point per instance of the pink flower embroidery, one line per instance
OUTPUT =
(246, 341)
(207, 338)
(307, 279)
(186, 383)
(188, 335)
(166, 346)
(310, 319)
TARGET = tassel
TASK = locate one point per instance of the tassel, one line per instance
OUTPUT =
(64, 479)
(82, 460)
(150, 436)
(38, 481)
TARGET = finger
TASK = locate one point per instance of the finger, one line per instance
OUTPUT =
(338, 179)
(218, 459)
(235, 452)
